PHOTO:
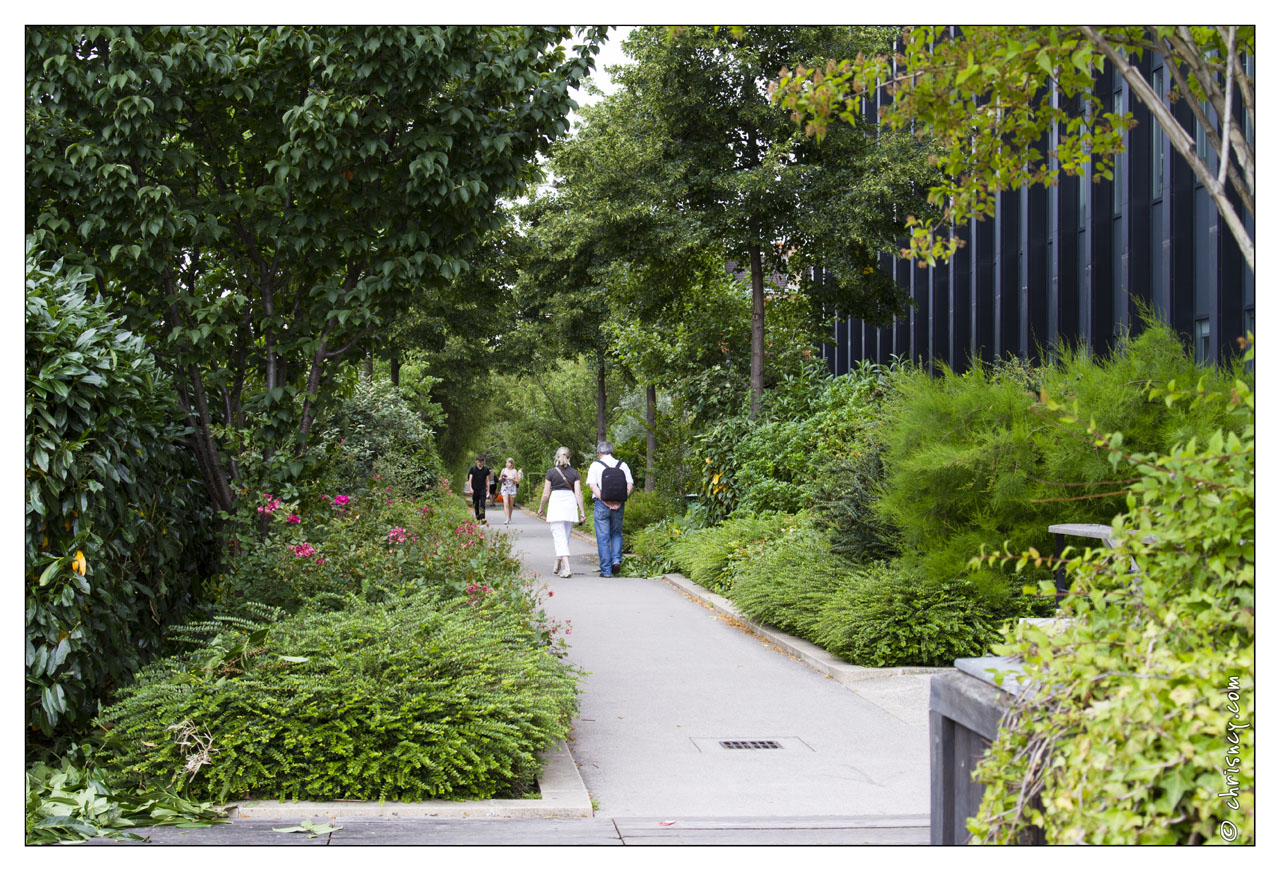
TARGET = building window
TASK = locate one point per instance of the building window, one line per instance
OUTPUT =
(1157, 139)
(1202, 340)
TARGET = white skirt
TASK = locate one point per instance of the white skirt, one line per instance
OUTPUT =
(562, 506)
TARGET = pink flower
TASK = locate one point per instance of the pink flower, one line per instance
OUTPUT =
(391, 502)
(293, 518)
(319, 560)
(388, 489)
(550, 593)
(326, 497)
(341, 500)
(303, 550)
(397, 536)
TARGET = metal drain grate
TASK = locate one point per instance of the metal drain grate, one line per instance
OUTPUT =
(751, 745)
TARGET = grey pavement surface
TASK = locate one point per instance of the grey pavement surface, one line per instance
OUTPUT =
(667, 678)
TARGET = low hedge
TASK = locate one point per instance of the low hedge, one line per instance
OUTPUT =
(886, 615)
(705, 556)
(787, 581)
(424, 698)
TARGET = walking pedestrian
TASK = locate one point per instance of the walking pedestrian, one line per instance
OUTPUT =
(510, 484)
(611, 483)
(478, 478)
(562, 497)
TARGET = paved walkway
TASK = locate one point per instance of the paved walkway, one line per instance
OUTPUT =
(666, 681)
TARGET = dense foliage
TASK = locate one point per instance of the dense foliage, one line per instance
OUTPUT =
(708, 556)
(888, 614)
(117, 531)
(1138, 723)
(375, 431)
(431, 698)
(974, 461)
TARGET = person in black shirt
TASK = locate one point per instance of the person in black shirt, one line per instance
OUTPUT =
(478, 475)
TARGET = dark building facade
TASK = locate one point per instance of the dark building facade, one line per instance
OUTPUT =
(1073, 263)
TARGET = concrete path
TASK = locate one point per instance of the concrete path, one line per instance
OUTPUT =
(668, 680)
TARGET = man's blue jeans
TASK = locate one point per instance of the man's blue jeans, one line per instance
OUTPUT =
(608, 536)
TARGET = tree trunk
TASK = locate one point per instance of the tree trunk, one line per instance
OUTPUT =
(368, 366)
(757, 329)
(600, 401)
(651, 438)
(395, 371)
(201, 441)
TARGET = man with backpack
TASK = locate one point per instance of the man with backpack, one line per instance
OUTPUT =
(611, 483)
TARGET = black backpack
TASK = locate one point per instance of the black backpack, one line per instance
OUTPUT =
(613, 484)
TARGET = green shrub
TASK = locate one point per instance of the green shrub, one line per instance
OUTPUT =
(417, 700)
(787, 581)
(889, 615)
(846, 511)
(375, 431)
(1136, 724)
(705, 556)
(976, 460)
(117, 528)
(652, 546)
(778, 461)
(644, 508)
(69, 800)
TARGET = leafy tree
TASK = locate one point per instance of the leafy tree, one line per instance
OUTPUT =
(755, 186)
(992, 96)
(267, 197)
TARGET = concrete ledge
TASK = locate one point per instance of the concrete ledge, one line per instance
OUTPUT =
(811, 654)
(564, 796)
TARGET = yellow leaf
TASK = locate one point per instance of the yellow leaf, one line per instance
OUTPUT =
(79, 565)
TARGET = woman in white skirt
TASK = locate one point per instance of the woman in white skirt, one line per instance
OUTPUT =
(563, 487)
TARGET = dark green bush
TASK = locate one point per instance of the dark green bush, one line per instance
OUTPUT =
(779, 460)
(108, 478)
(645, 508)
(706, 556)
(888, 614)
(651, 546)
(424, 699)
(846, 511)
(375, 431)
(788, 580)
